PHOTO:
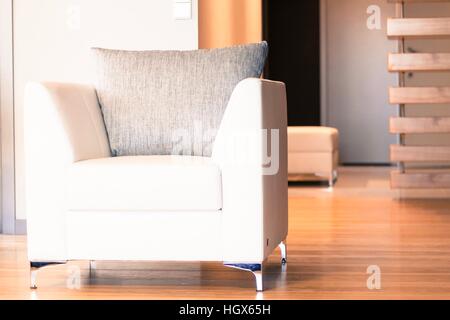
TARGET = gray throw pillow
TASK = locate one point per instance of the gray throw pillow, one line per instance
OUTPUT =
(170, 102)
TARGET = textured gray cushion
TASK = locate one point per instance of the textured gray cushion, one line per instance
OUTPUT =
(170, 102)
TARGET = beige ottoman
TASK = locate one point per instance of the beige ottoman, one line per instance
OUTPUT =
(313, 150)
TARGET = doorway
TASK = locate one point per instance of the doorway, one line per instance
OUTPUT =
(357, 78)
(335, 70)
(292, 29)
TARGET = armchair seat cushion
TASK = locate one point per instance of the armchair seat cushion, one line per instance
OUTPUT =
(145, 183)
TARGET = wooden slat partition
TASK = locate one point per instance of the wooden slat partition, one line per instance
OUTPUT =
(402, 28)
(420, 180)
(419, 154)
(419, 125)
(418, 27)
(399, 62)
(419, 95)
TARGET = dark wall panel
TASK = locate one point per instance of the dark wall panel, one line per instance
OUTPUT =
(292, 28)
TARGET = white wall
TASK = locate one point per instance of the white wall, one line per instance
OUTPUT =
(357, 80)
(52, 40)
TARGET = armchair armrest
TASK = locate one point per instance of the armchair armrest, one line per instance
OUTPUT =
(254, 179)
(63, 124)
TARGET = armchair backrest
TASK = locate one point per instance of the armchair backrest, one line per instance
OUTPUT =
(170, 102)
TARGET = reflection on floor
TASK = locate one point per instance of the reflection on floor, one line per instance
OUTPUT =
(335, 237)
(353, 181)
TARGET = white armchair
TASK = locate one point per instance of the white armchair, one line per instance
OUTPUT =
(84, 204)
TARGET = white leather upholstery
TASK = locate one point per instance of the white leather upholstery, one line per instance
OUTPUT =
(145, 183)
(63, 124)
(82, 204)
(160, 236)
(312, 139)
(254, 205)
(313, 162)
(313, 150)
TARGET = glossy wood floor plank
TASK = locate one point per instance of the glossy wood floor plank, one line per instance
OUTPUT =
(333, 237)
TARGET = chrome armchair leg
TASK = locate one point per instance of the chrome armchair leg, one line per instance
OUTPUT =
(34, 268)
(92, 267)
(283, 249)
(33, 277)
(255, 268)
(259, 280)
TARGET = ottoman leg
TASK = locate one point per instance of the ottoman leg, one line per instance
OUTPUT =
(332, 178)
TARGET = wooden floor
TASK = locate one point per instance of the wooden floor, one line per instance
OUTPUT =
(333, 237)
